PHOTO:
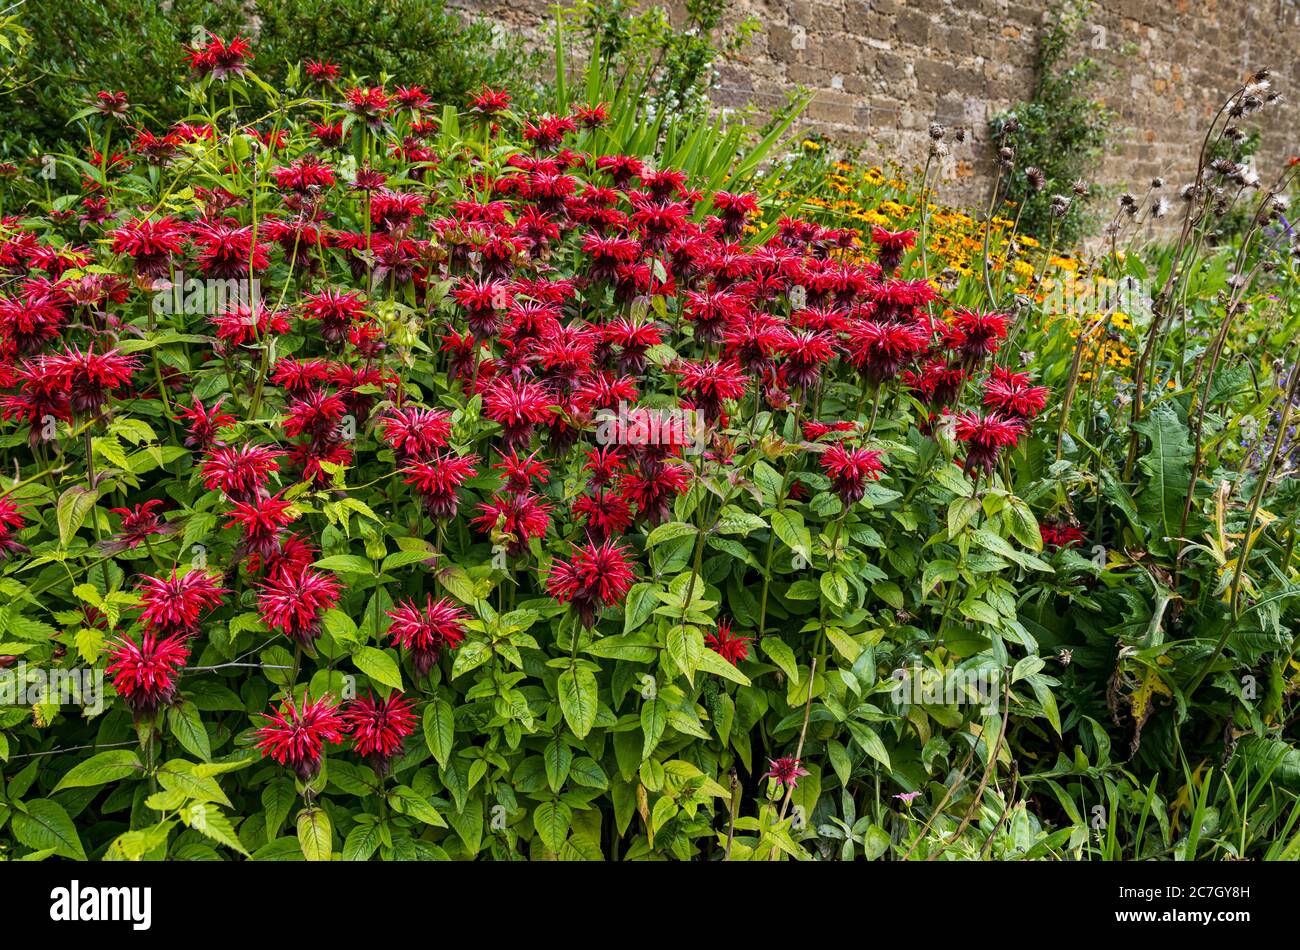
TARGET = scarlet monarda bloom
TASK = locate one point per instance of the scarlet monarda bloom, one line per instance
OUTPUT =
(730, 646)
(1060, 535)
(598, 575)
(850, 470)
(1013, 395)
(203, 423)
(90, 377)
(173, 606)
(262, 520)
(711, 383)
(426, 632)
(516, 515)
(296, 736)
(240, 471)
(293, 599)
(378, 727)
(218, 58)
(880, 350)
(11, 522)
(890, 248)
(985, 436)
(518, 407)
(149, 243)
(139, 523)
(414, 432)
(976, 335)
(145, 675)
(786, 770)
(438, 480)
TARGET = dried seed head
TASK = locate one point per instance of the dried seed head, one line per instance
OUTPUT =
(1157, 182)
(1060, 205)
(1007, 157)
(937, 131)
(1037, 177)
(959, 135)
(1160, 207)
(1080, 188)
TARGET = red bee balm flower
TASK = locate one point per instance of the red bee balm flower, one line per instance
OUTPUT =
(378, 727)
(145, 675)
(240, 471)
(293, 599)
(985, 436)
(786, 770)
(296, 736)
(890, 247)
(174, 605)
(1060, 535)
(597, 576)
(426, 632)
(849, 470)
(1012, 395)
(438, 479)
(731, 647)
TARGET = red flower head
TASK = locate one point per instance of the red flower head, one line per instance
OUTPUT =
(849, 471)
(890, 248)
(438, 480)
(731, 647)
(426, 632)
(293, 599)
(604, 514)
(734, 211)
(414, 433)
(316, 415)
(239, 471)
(711, 383)
(985, 436)
(262, 520)
(307, 175)
(173, 606)
(139, 522)
(517, 406)
(300, 376)
(597, 575)
(379, 726)
(90, 377)
(368, 103)
(296, 736)
(490, 102)
(336, 310)
(521, 472)
(786, 770)
(938, 383)
(145, 675)
(880, 350)
(654, 487)
(242, 324)
(11, 522)
(226, 249)
(806, 352)
(321, 71)
(1061, 535)
(519, 516)
(218, 58)
(976, 335)
(149, 243)
(1012, 394)
(202, 423)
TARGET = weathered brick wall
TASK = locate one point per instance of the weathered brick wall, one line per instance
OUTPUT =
(883, 70)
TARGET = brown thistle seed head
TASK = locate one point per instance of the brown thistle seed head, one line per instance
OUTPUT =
(1037, 177)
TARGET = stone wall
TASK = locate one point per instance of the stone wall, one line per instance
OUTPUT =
(883, 70)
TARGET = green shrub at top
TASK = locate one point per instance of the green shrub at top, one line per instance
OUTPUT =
(79, 47)
(1061, 129)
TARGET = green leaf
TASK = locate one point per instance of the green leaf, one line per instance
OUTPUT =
(668, 532)
(439, 730)
(379, 666)
(552, 819)
(314, 834)
(111, 766)
(779, 652)
(789, 527)
(45, 825)
(345, 564)
(417, 806)
(362, 842)
(578, 699)
(184, 723)
(640, 605)
(557, 757)
(74, 504)
(1168, 469)
(711, 662)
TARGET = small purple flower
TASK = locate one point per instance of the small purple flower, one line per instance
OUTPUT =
(907, 797)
